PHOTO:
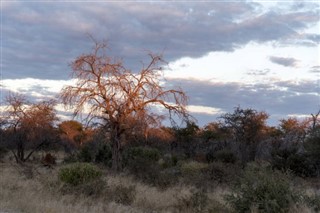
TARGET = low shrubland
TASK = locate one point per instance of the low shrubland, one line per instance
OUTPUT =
(155, 181)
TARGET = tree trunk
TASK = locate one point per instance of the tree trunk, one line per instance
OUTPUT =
(116, 149)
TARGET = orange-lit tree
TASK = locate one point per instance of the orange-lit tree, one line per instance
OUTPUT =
(29, 126)
(107, 91)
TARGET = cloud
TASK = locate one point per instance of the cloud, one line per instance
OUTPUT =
(315, 69)
(279, 99)
(208, 100)
(284, 61)
(258, 72)
(40, 39)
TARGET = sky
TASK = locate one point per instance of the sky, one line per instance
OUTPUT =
(263, 55)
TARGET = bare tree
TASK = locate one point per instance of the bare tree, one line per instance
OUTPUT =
(28, 126)
(107, 91)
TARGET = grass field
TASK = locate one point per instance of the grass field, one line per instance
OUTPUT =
(32, 188)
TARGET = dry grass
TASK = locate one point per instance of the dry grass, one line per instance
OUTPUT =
(33, 188)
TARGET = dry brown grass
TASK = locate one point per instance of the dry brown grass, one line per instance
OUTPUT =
(36, 189)
(32, 188)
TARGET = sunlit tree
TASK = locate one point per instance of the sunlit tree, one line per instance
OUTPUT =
(29, 126)
(107, 91)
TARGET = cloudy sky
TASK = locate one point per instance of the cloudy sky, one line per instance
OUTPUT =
(258, 54)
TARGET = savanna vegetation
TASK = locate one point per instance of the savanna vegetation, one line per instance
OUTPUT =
(120, 158)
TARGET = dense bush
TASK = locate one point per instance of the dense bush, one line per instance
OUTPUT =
(222, 173)
(225, 156)
(151, 172)
(312, 147)
(104, 155)
(192, 168)
(263, 190)
(135, 153)
(298, 163)
(168, 161)
(87, 153)
(79, 173)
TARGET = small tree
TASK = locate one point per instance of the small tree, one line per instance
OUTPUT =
(28, 126)
(72, 132)
(107, 91)
(246, 126)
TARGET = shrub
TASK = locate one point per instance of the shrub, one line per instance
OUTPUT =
(151, 172)
(79, 173)
(225, 156)
(104, 155)
(222, 173)
(86, 153)
(193, 168)
(168, 161)
(289, 159)
(134, 153)
(262, 190)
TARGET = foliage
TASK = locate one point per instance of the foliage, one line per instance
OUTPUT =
(192, 168)
(144, 164)
(87, 153)
(222, 173)
(79, 173)
(246, 126)
(136, 153)
(95, 152)
(225, 156)
(72, 132)
(264, 190)
(168, 161)
(290, 159)
(186, 136)
(104, 155)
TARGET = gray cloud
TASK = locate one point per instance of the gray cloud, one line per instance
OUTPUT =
(287, 62)
(41, 38)
(315, 69)
(279, 99)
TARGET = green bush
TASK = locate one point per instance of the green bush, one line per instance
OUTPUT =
(79, 173)
(263, 190)
(192, 168)
(168, 161)
(134, 153)
(151, 172)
